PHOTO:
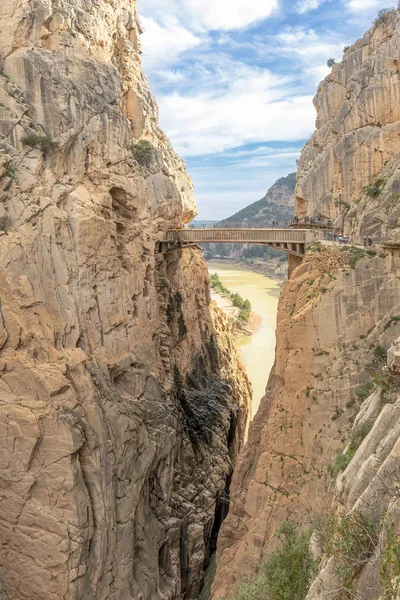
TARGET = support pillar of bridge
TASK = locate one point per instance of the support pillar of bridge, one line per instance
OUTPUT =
(293, 262)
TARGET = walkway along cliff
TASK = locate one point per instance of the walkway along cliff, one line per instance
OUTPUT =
(123, 403)
(324, 448)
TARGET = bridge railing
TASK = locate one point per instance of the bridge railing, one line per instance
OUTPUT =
(247, 236)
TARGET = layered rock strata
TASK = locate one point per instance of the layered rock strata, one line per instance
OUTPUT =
(321, 363)
(358, 124)
(123, 404)
(339, 311)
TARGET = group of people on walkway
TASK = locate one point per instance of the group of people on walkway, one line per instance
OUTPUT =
(309, 221)
(367, 241)
(313, 221)
(337, 238)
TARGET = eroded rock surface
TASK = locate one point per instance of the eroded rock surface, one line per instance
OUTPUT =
(323, 315)
(358, 127)
(338, 317)
(123, 404)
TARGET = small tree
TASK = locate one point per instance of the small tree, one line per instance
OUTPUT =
(331, 62)
(39, 141)
(143, 153)
(384, 15)
(286, 573)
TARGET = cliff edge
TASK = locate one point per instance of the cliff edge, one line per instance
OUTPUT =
(330, 409)
(123, 403)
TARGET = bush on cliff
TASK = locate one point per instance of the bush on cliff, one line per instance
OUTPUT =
(39, 141)
(143, 153)
(384, 15)
(351, 539)
(286, 573)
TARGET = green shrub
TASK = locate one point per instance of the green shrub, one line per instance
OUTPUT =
(39, 141)
(10, 173)
(352, 540)
(343, 459)
(236, 299)
(3, 224)
(391, 322)
(390, 565)
(340, 463)
(374, 189)
(338, 412)
(384, 15)
(286, 573)
(364, 390)
(380, 353)
(244, 315)
(330, 62)
(143, 153)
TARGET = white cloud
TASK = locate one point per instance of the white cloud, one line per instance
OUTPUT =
(253, 108)
(304, 6)
(362, 5)
(307, 44)
(162, 44)
(215, 15)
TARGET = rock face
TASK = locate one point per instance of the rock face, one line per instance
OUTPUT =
(123, 404)
(338, 320)
(323, 315)
(358, 125)
(282, 192)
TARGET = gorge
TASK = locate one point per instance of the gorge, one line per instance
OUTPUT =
(124, 403)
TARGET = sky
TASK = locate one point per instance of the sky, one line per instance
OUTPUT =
(235, 79)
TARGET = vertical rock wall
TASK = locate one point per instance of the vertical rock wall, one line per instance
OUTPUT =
(358, 124)
(338, 309)
(122, 402)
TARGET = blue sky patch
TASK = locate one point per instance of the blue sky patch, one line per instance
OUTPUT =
(235, 80)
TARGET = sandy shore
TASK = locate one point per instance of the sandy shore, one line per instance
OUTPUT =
(240, 329)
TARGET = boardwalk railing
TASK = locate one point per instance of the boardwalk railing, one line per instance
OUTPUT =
(244, 236)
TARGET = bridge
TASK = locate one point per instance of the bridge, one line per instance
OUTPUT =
(292, 241)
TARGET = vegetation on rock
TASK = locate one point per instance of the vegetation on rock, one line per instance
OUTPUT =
(143, 153)
(286, 573)
(39, 141)
(351, 539)
(236, 299)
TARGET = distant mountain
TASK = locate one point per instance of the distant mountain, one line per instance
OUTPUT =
(282, 192)
(203, 223)
(277, 204)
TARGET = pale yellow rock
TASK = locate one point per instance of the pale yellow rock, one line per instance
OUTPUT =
(123, 403)
(282, 471)
(358, 127)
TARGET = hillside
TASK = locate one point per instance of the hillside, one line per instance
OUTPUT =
(277, 204)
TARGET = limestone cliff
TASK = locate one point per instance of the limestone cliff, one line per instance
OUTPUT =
(123, 404)
(331, 403)
(358, 124)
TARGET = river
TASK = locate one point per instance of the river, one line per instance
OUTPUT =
(258, 350)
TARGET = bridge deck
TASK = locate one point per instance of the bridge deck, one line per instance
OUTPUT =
(244, 236)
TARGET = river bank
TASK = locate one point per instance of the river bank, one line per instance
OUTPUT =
(258, 350)
(240, 328)
(273, 269)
